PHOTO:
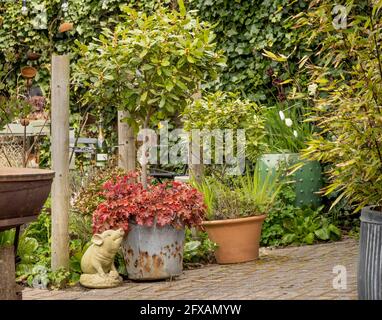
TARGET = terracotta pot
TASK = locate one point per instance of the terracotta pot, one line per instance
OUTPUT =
(238, 240)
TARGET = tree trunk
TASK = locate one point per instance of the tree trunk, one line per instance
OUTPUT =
(126, 143)
(7, 273)
(196, 168)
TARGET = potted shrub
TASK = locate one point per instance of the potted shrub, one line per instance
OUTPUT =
(235, 214)
(347, 109)
(154, 219)
(148, 65)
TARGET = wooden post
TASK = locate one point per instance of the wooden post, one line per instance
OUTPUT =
(126, 144)
(60, 161)
(196, 167)
(7, 273)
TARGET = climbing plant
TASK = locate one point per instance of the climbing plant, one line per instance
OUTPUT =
(244, 29)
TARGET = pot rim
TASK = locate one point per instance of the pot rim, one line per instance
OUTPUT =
(9, 174)
(234, 221)
(28, 72)
(369, 215)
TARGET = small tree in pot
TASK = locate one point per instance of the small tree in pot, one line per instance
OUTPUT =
(347, 109)
(154, 219)
(149, 65)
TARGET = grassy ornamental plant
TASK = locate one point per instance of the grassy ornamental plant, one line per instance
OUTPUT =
(285, 129)
(348, 99)
(246, 196)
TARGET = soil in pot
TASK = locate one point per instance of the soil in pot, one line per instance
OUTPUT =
(238, 240)
(153, 253)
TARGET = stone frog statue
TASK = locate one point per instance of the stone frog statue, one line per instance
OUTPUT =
(97, 263)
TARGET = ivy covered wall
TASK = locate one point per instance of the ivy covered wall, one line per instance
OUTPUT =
(244, 29)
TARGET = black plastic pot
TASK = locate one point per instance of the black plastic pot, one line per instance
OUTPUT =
(370, 255)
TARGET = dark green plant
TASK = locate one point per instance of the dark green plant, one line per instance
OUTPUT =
(34, 252)
(308, 226)
(21, 34)
(198, 249)
(287, 224)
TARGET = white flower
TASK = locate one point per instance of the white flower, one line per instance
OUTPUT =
(295, 133)
(282, 115)
(288, 122)
(312, 88)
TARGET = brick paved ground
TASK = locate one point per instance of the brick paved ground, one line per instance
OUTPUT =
(291, 273)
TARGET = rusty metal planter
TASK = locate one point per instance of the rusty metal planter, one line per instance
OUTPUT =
(153, 253)
(23, 192)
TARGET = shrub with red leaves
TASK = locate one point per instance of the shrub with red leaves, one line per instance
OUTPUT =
(126, 200)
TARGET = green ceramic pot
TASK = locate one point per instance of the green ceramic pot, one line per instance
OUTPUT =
(308, 179)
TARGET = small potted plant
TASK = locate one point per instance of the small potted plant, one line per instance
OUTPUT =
(154, 219)
(235, 214)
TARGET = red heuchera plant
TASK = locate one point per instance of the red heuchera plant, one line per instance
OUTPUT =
(126, 200)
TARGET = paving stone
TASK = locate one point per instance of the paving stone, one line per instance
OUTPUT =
(304, 272)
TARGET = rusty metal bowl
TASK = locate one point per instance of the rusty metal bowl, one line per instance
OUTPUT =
(33, 55)
(28, 72)
(23, 192)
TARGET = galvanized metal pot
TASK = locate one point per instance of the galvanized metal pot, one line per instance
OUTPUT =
(370, 255)
(153, 253)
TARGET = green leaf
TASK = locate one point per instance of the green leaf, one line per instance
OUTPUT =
(143, 53)
(144, 96)
(190, 59)
(322, 234)
(182, 8)
(309, 238)
(332, 228)
(162, 102)
(288, 238)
